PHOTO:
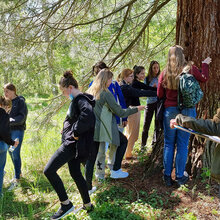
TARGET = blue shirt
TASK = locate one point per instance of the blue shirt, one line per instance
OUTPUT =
(151, 100)
(115, 89)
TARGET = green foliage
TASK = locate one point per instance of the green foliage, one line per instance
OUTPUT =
(206, 174)
(115, 212)
(189, 216)
(36, 50)
(36, 199)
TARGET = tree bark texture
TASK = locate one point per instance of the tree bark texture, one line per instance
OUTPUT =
(198, 32)
(155, 161)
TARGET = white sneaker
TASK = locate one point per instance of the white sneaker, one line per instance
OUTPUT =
(13, 185)
(118, 174)
(91, 191)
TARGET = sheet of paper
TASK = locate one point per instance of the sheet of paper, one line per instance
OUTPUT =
(212, 138)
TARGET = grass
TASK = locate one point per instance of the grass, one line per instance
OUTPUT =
(36, 199)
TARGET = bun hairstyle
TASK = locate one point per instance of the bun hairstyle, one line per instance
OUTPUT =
(98, 66)
(137, 70)
(5, 102)
(11, 87)
(67, 79)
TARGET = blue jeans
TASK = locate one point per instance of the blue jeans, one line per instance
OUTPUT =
(3, 154)
(15, 155)
(176, 137)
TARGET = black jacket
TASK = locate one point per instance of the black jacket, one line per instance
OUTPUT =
(18, 114)
(5, 134)
(80, 122)
(135, 90)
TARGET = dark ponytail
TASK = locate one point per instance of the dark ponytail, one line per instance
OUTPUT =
(137, 70)
(67, 79)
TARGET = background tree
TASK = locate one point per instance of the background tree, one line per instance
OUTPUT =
(60, 34)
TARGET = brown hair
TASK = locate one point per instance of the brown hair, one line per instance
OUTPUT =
(67, 79)
(150, 71)
(175, 64)
(123, 74)
(137, 70)
(101, 65)
(10, 87)
(5, 102)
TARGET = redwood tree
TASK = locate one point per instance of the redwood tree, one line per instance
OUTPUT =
(198, 32)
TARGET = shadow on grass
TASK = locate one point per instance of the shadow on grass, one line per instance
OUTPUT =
(38, 183)
(13, 208)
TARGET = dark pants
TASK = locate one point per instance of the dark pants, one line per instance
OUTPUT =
(149, 112)
(120, 152)
(90, 163)
(65, 154)
(118, 159)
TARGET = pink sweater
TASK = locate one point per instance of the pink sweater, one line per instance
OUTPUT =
(171, 95)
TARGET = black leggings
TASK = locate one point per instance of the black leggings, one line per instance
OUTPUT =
(89, 168)
(149, 112)
(63, 155)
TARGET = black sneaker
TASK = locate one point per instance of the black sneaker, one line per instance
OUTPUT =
(168, 180)
(182, 180)
(63, 211)
(88, 208)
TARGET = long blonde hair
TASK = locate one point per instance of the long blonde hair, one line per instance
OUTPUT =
(175, 64)
(100, 83)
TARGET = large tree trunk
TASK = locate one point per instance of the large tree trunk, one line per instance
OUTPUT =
(198, 32)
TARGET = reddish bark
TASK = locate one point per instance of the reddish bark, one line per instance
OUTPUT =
(198, 32)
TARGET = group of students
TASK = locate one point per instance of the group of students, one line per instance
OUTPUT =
(13, 115)
(96, 119)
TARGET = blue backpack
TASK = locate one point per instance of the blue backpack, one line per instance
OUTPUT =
(189, 92)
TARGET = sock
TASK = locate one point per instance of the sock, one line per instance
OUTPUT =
(66, 202)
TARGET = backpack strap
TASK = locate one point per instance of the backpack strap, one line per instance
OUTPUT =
(180, 97)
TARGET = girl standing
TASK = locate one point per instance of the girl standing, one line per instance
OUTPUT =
(106, 129)
(18, 116)
(5, 135)
(132, 129)
(168, 87)
(115, 89)
(151, 108)
(77, 138)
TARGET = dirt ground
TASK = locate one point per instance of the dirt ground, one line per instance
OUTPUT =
(198, 197)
